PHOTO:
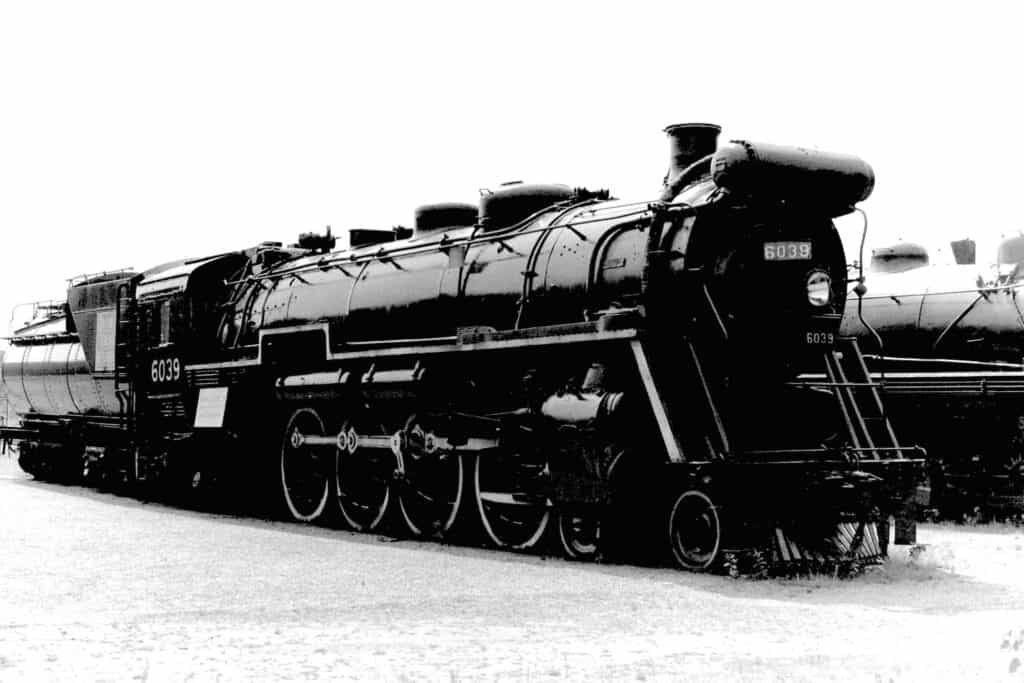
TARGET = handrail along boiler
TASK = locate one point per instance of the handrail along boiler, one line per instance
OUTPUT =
(552, 363)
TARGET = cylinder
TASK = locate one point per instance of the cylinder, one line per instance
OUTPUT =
(582, 407)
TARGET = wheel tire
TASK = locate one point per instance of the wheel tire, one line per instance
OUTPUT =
(507, 523)
(304, 481)
(363, 477)
(428, 507)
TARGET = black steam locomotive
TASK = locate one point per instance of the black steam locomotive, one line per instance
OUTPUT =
(947, 344)
(552, 363)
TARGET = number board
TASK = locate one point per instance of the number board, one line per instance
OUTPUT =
(787, 251)
(820, 338)
(165, 372)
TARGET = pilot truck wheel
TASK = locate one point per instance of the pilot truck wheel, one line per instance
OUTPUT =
(694, 531)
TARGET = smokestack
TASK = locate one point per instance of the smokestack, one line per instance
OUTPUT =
(688, 143)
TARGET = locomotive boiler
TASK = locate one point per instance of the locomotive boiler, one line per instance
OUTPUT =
(552, 364)
(947, 342)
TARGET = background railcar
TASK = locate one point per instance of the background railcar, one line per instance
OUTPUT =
(947, 341)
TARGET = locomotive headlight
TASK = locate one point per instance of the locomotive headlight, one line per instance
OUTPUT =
(819, 288)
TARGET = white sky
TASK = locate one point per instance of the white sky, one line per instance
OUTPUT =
(133, 133)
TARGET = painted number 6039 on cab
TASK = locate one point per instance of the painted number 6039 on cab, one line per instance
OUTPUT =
(165, 370)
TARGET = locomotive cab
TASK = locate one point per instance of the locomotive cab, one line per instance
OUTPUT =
(177, 309)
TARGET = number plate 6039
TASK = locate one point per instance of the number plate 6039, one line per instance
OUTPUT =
(787, 251)
(821, 338)
(163, 370)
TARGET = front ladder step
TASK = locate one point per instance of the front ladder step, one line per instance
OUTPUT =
(860, 401)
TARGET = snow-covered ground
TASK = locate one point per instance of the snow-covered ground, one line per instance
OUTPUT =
(99, 587)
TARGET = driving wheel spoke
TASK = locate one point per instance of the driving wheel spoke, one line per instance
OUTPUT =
(364, 473)
(305, 483)
(511, 497)
(432, 480)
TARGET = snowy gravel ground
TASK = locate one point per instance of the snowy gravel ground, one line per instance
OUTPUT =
(95, 587)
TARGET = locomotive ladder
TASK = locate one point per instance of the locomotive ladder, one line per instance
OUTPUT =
(125, 354)
(859, 400)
